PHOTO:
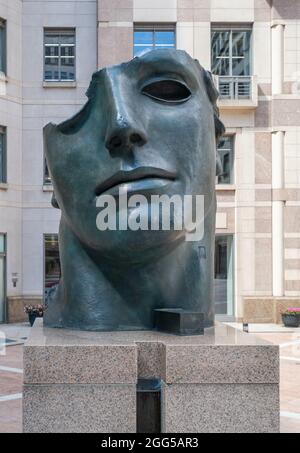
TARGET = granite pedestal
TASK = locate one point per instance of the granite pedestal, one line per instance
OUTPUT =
(224, 381)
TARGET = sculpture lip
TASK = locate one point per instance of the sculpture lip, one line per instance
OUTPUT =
(137, 174)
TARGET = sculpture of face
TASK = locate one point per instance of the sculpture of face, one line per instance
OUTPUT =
(149, 127)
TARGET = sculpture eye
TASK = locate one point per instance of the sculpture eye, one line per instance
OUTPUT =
(167, 91)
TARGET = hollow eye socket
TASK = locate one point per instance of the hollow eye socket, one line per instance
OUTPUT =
(167, 91)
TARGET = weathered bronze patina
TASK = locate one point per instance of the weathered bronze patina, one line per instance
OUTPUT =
(150, 124)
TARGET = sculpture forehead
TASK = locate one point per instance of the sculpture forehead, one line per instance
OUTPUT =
(169, 61)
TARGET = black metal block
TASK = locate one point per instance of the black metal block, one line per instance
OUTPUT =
(179, 321)
(148, 406)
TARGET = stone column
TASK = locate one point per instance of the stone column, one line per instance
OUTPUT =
(277, 58)
(115, 32)
(277, 165)
(278, 212)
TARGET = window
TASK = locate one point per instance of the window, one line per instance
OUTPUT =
(149, 37)
(52, 263)
(3, 46)
(226, 153)
(59, 55)
(47, 177)
(2, 276)
(231, 60)
(224, 275)
(3, 178)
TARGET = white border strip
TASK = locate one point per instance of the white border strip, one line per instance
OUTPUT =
(11, 370)
(293, 415)
(14, 396)
(290, 359)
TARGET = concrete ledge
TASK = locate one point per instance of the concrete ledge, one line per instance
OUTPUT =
(82, 364)
(75, 381)
(221, 364)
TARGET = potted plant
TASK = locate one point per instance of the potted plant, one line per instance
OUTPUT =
(34, 311)
(291, 317)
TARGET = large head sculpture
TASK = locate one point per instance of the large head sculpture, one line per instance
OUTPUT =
(149, 127)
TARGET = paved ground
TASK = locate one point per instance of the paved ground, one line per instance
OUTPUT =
(11, 377)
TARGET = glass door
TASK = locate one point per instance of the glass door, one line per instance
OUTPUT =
(224, 283)
(2, 278)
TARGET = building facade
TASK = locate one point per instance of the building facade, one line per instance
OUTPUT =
(48, 51)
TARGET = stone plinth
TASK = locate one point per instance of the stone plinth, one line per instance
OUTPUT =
(224, 381)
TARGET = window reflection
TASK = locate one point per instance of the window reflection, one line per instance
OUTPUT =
(226, 153)
(150, 37)
(3, 178)
(52, 263)
(231, 52)
(224, 275)
(59, 55)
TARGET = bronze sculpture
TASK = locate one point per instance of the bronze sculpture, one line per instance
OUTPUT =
(149, 125)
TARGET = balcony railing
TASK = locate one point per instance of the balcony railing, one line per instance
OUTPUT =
(235, 87)
(237, 91)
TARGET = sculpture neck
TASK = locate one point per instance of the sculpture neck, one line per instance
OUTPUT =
(94, 291)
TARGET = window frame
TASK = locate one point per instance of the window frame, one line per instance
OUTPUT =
(3, 131)
(233, 28)
(232, 161)
(45, 236)
(231, 307)
(60, 31)
(3, 25)
(154, 28)
(4, 256)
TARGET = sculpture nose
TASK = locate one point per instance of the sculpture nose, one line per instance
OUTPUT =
(124, 128)
(122, 136)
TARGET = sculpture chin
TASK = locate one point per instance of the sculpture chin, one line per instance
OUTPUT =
(135, 246)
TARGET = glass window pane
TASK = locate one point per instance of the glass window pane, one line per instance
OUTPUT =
(231, 52)
(51, 38)
(225, 150)
(67, 61)
(224, 275)
(67, 74)
(52, 61)
(52, 263)
(67, 51)
(51, 51)
(221, 66)
(2, 243)
(59, 56)
(220, 43)
(240, 43)
(240, 66)
(2, 46)
(164, 38)
(1, 161)
(146, 40)
(141, 49)
(2, 158)
(221, 52)
(67, 38)
(47, 178)
(143, 37)
(2, 288)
